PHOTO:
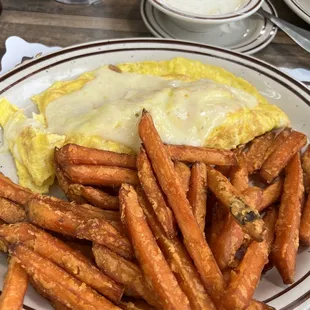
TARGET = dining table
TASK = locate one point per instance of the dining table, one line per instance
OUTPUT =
(56, 24)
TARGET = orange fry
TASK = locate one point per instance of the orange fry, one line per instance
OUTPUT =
(271, 194)
(287, 231)
(245, 279)
(152, 261)
(135, 305)
(193, 237)
(154, 194)
(184, 173)
(11, 212)
(306, 169)
(57, 284)
(79, 155)
(206, 155)
(197, 194)
(14, 288)
(304, 232)
(277, 160)
(239, 174)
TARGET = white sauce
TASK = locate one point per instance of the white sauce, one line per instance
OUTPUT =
(205, 7)
(110, 106)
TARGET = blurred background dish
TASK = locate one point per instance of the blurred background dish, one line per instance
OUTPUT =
(301, 8)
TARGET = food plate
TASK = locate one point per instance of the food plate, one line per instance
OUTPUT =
(301, 8)
(293, 97)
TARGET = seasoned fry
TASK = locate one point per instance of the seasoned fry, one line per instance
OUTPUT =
(155, 195)
(178, 260)
(184, 173)
(50, 217)
(271, 194)
(277, 160)
(224, 170)
(62, 255)
(94, 196)
(247, 217)
(14, 288)
(57, 284)
(244, 280)
(197, 194)
(74, 154)
(125, 272)
(152, 261)
(193, 237)
(135, 305)
(257, 150)
(100, 175)
(206, 155)
(239, 174)
(11, 212)
(304, 232)
(306, 169)
(287, 231)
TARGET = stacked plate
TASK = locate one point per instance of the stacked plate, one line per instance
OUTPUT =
(237, 28)
(301, 8)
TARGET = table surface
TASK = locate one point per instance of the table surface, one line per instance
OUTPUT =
(53, 23)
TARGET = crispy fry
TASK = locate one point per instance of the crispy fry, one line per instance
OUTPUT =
(277, 160)
(94, 196)
(244, 280)
(257, 150)
(135, 305)
(224, 170)
(58, 284)
(155, 195)
(125, 272)
(206, 155)
(197, 194)
(179, 261)
(247, 217)
(79, 155)
(11, 212)
(184, 173)
(306, 169)
(271, 194)
(14, 288)
(232, 236)
(304, 232)
(287, 231)
(50, 217)
(193, 237)
(152, 261)
(239, 174)
(100, 175)
(62, 255)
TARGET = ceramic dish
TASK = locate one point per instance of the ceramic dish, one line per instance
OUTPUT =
(301, 8)
(248, 36)
(293, 97)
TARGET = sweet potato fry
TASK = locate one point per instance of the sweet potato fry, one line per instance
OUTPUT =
(271, 194)
(287, 231)
(11, 212)
(244, 280)
(179, 261)
(155, 195)
(56, 283)
(306, 169)
(184, 173)
(257, 150)
(135, 305)
(197, 194)
(50, 217)
(152, 261)
(79, 155)
(125, 272)
(304, 232)
(62, 255)
(14, 288)
(247, 217)
(239, 174)
(206, 155)
(277, 160)
(94, 196)
(100, 175)
(224, 170)
(193, 237)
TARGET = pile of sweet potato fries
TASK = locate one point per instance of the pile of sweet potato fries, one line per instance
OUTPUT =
(175, 227)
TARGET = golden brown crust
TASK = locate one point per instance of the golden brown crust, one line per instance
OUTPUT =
(135, 305)
(271, 194)
(184, 173)
(304, 232)
(306, 169)
(11, 212)
(287, 230)
(239, 174)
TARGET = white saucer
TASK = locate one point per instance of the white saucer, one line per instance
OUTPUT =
(301, 8)
(248, 36)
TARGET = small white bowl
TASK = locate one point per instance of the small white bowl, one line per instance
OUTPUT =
(199, 22)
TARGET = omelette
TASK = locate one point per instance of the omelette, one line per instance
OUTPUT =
(190, 102)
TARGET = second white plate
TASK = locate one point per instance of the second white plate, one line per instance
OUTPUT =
(301, 8)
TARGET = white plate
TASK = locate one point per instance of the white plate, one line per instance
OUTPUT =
(301, 8)
(293, 97)
(248, 36)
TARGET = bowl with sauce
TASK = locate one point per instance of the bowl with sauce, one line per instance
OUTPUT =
(196, 15)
